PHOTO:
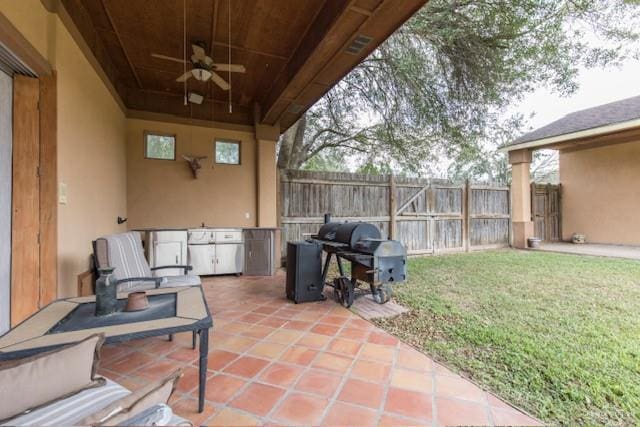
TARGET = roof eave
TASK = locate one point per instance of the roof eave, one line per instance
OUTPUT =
(551, 140)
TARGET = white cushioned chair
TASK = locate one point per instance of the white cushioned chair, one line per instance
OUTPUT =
(125, 254)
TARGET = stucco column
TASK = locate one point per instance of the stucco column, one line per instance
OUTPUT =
(266, 175)
(522, 225)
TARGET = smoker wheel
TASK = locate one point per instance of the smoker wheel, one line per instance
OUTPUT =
(381, 293)
(344, 291)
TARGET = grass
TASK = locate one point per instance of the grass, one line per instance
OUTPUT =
(557, 335)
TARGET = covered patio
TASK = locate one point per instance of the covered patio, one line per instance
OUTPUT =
(278, 363)
(88, 82)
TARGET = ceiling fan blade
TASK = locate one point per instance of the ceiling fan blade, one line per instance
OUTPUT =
(198, 51)
(207, 60)
(168, 58)
(184, 77)
(234, 68)
(219, 81)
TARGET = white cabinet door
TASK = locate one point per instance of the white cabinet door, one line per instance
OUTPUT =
(202, 258)
(168, 253)
(229, 258)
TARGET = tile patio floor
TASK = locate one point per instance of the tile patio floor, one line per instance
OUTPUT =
(274, 362)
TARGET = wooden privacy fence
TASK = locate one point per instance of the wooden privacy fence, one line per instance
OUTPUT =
(427, 215)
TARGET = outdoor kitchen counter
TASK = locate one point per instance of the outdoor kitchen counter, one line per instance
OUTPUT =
(212, 228)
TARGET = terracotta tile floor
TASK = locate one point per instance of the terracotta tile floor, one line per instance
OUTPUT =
(274, 362)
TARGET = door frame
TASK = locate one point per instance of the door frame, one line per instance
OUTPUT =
(47, 236)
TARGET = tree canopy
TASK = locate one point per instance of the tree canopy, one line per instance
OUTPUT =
(439, 86)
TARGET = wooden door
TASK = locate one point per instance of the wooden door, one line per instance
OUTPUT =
(545, 211)
(538, 209)
(25, 248)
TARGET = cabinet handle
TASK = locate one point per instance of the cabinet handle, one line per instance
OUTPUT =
(177, 260)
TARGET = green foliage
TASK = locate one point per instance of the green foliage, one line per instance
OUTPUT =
(554, 334)
(439, 86)
(160, 147)
(228, 152)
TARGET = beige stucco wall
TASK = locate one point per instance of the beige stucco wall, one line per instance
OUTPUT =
(601, 193)
(163, 193)
(91, 141)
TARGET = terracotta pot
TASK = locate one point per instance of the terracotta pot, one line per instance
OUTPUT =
(137, 301)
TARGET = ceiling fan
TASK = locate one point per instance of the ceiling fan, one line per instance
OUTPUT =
(203, 67)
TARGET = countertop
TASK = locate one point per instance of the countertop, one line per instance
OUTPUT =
(211, 228)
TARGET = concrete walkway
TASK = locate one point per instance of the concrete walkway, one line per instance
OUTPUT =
(612, 251)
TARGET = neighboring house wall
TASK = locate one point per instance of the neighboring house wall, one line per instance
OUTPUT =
(600, 195)
(91, 141)
(163, 193)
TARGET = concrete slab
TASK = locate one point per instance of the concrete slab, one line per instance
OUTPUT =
(595, 249)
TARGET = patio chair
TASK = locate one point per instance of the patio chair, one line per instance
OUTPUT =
(125, 254)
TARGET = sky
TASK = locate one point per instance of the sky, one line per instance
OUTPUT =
(597, 86)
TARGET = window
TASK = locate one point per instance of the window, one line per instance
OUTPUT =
(227, 152)
(159, 146)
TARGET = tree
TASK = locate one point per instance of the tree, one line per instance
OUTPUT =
(439, 85)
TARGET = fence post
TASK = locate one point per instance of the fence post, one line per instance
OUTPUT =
(392, 207)
(466, 206)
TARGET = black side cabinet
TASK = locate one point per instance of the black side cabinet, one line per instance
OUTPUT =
(259, 252)
(304, 272)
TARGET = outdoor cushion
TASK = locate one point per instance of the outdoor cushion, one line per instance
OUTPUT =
(67, 412)
(30, 383)
(176, 281)
(154, 393)
(126, 256)
(157, 415)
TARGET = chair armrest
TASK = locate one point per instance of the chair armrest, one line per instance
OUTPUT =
(156, 280)
(186, 268)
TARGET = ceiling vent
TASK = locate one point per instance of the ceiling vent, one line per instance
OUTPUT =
(359, 43)
(294, 108)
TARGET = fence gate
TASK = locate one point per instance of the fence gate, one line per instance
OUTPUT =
(545, 210)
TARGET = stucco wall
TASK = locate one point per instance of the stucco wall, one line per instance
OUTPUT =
(600, 193)
(163, 193)
(91, 141)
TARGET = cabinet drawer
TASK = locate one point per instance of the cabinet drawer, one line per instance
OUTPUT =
(253, 234)
(228, 236)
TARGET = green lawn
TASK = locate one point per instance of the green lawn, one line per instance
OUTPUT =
(558, 335)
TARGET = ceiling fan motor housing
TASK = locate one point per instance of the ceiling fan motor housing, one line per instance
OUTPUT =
(201, 74)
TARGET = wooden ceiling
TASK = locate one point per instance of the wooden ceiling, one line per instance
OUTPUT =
(294, 51)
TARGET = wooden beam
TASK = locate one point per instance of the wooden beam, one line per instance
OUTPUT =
(317, 33)
(48, 190)
(168, 118)
(25, 222)
(327, 62)
(20, 46)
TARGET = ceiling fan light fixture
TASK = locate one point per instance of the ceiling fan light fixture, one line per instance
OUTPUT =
(201, 74)
(195, 98)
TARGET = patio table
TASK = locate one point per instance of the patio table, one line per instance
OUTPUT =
(65, 321)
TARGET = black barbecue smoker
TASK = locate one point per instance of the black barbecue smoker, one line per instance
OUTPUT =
(374, 260)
